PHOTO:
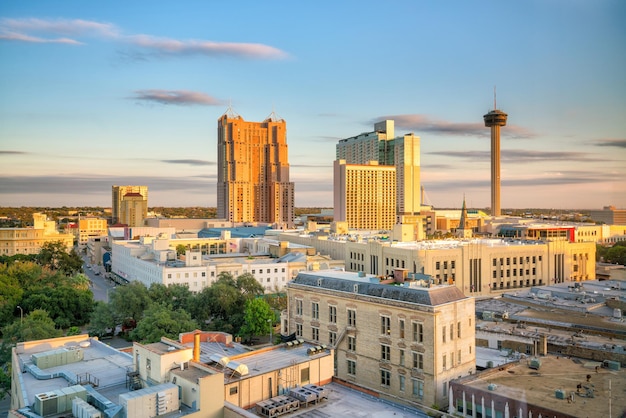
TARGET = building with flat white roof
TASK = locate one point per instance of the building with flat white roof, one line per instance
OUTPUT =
(478, 267)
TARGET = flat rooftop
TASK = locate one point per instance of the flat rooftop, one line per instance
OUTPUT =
(100, 361)
(259, 361)
(537, 387)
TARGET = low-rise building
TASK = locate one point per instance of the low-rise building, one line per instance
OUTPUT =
(404, 342)
(29, 240)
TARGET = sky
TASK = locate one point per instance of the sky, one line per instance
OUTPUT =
(96, 94)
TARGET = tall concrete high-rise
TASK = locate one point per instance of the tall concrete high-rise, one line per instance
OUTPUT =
(118, 193)
(253, 171)
(494, 120)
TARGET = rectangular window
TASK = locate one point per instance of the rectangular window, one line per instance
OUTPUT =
(299, 330)
(332, 337)
(351, 318)
(315, 334)
(437, 265)
(458, 329)
(452, 264)
(451, 332)
(385, 377)
(352, 367)
(418, 360)
(385, 325)
(298, 306)
(332, 314)
(402, 358)
(418, 332)
(385, 352)
(304, 375)
(443, 333)
(401, 383)
(443, 361)
(459, 357)
(233, 390)
(418, 388)
(401, 326)
(315, 310)
(351, 343)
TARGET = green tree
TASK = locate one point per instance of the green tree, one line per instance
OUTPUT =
(10, 297)
(54, 255)
(177, 295)
(130, 301)
(258, 318)
(103, 320)
(34, 326)
(66, 306)
(162, 321)
(181, 249)
(249, 286)
(616, 254)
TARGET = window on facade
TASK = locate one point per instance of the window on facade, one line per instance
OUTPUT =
(332, 314)
(445, 264)
(351, 318)
(304, 375)
(418, 388)
(233, 390)
(385, 325)
(401, 327)
(332, 337)
(401, 383)
(452, 264)
(315, 310)
(451, 332)
(458, 329)
(351, 343)
(385, 352)
(169, 276)
(437, 265)
(443, 333)
(352, 367)
(418, 360)
(315, 334)
(299, 330)
(418, 332)
(401, 357)
(459, 357)
(298, 306)
(204, 274)
(385, 377)
(443, 361)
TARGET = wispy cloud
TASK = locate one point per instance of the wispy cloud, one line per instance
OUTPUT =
(44, 30)
(153, 45)
(144, 46)
(6, 152)
(521, 156)
(422, 123)
(176, 97)
(617, 143)
(189, 162)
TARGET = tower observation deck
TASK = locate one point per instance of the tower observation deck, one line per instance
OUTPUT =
(494, 120)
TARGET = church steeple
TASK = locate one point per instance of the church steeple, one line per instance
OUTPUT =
(464, 231)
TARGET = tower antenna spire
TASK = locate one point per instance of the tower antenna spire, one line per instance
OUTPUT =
(494, 98)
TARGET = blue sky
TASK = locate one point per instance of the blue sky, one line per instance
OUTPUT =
(94, 94)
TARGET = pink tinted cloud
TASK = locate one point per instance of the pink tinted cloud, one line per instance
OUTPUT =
(176, 97)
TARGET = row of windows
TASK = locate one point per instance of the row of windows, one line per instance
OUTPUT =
(438, 264)
(417, 385)
(494, 261)
(508, 272)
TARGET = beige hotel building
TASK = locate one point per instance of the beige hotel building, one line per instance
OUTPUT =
(30, 240)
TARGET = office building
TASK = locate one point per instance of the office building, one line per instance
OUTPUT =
(253, 171)
(29, 240)
(609, 215)
(364, 195)
(129, 205)
(403, 342)
(478, 266)
(90, 227)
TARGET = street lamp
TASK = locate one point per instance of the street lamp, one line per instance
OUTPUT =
(21, 314)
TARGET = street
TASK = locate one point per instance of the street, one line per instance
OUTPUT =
(100, 286)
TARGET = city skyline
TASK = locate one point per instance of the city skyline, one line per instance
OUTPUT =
(100, 94)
